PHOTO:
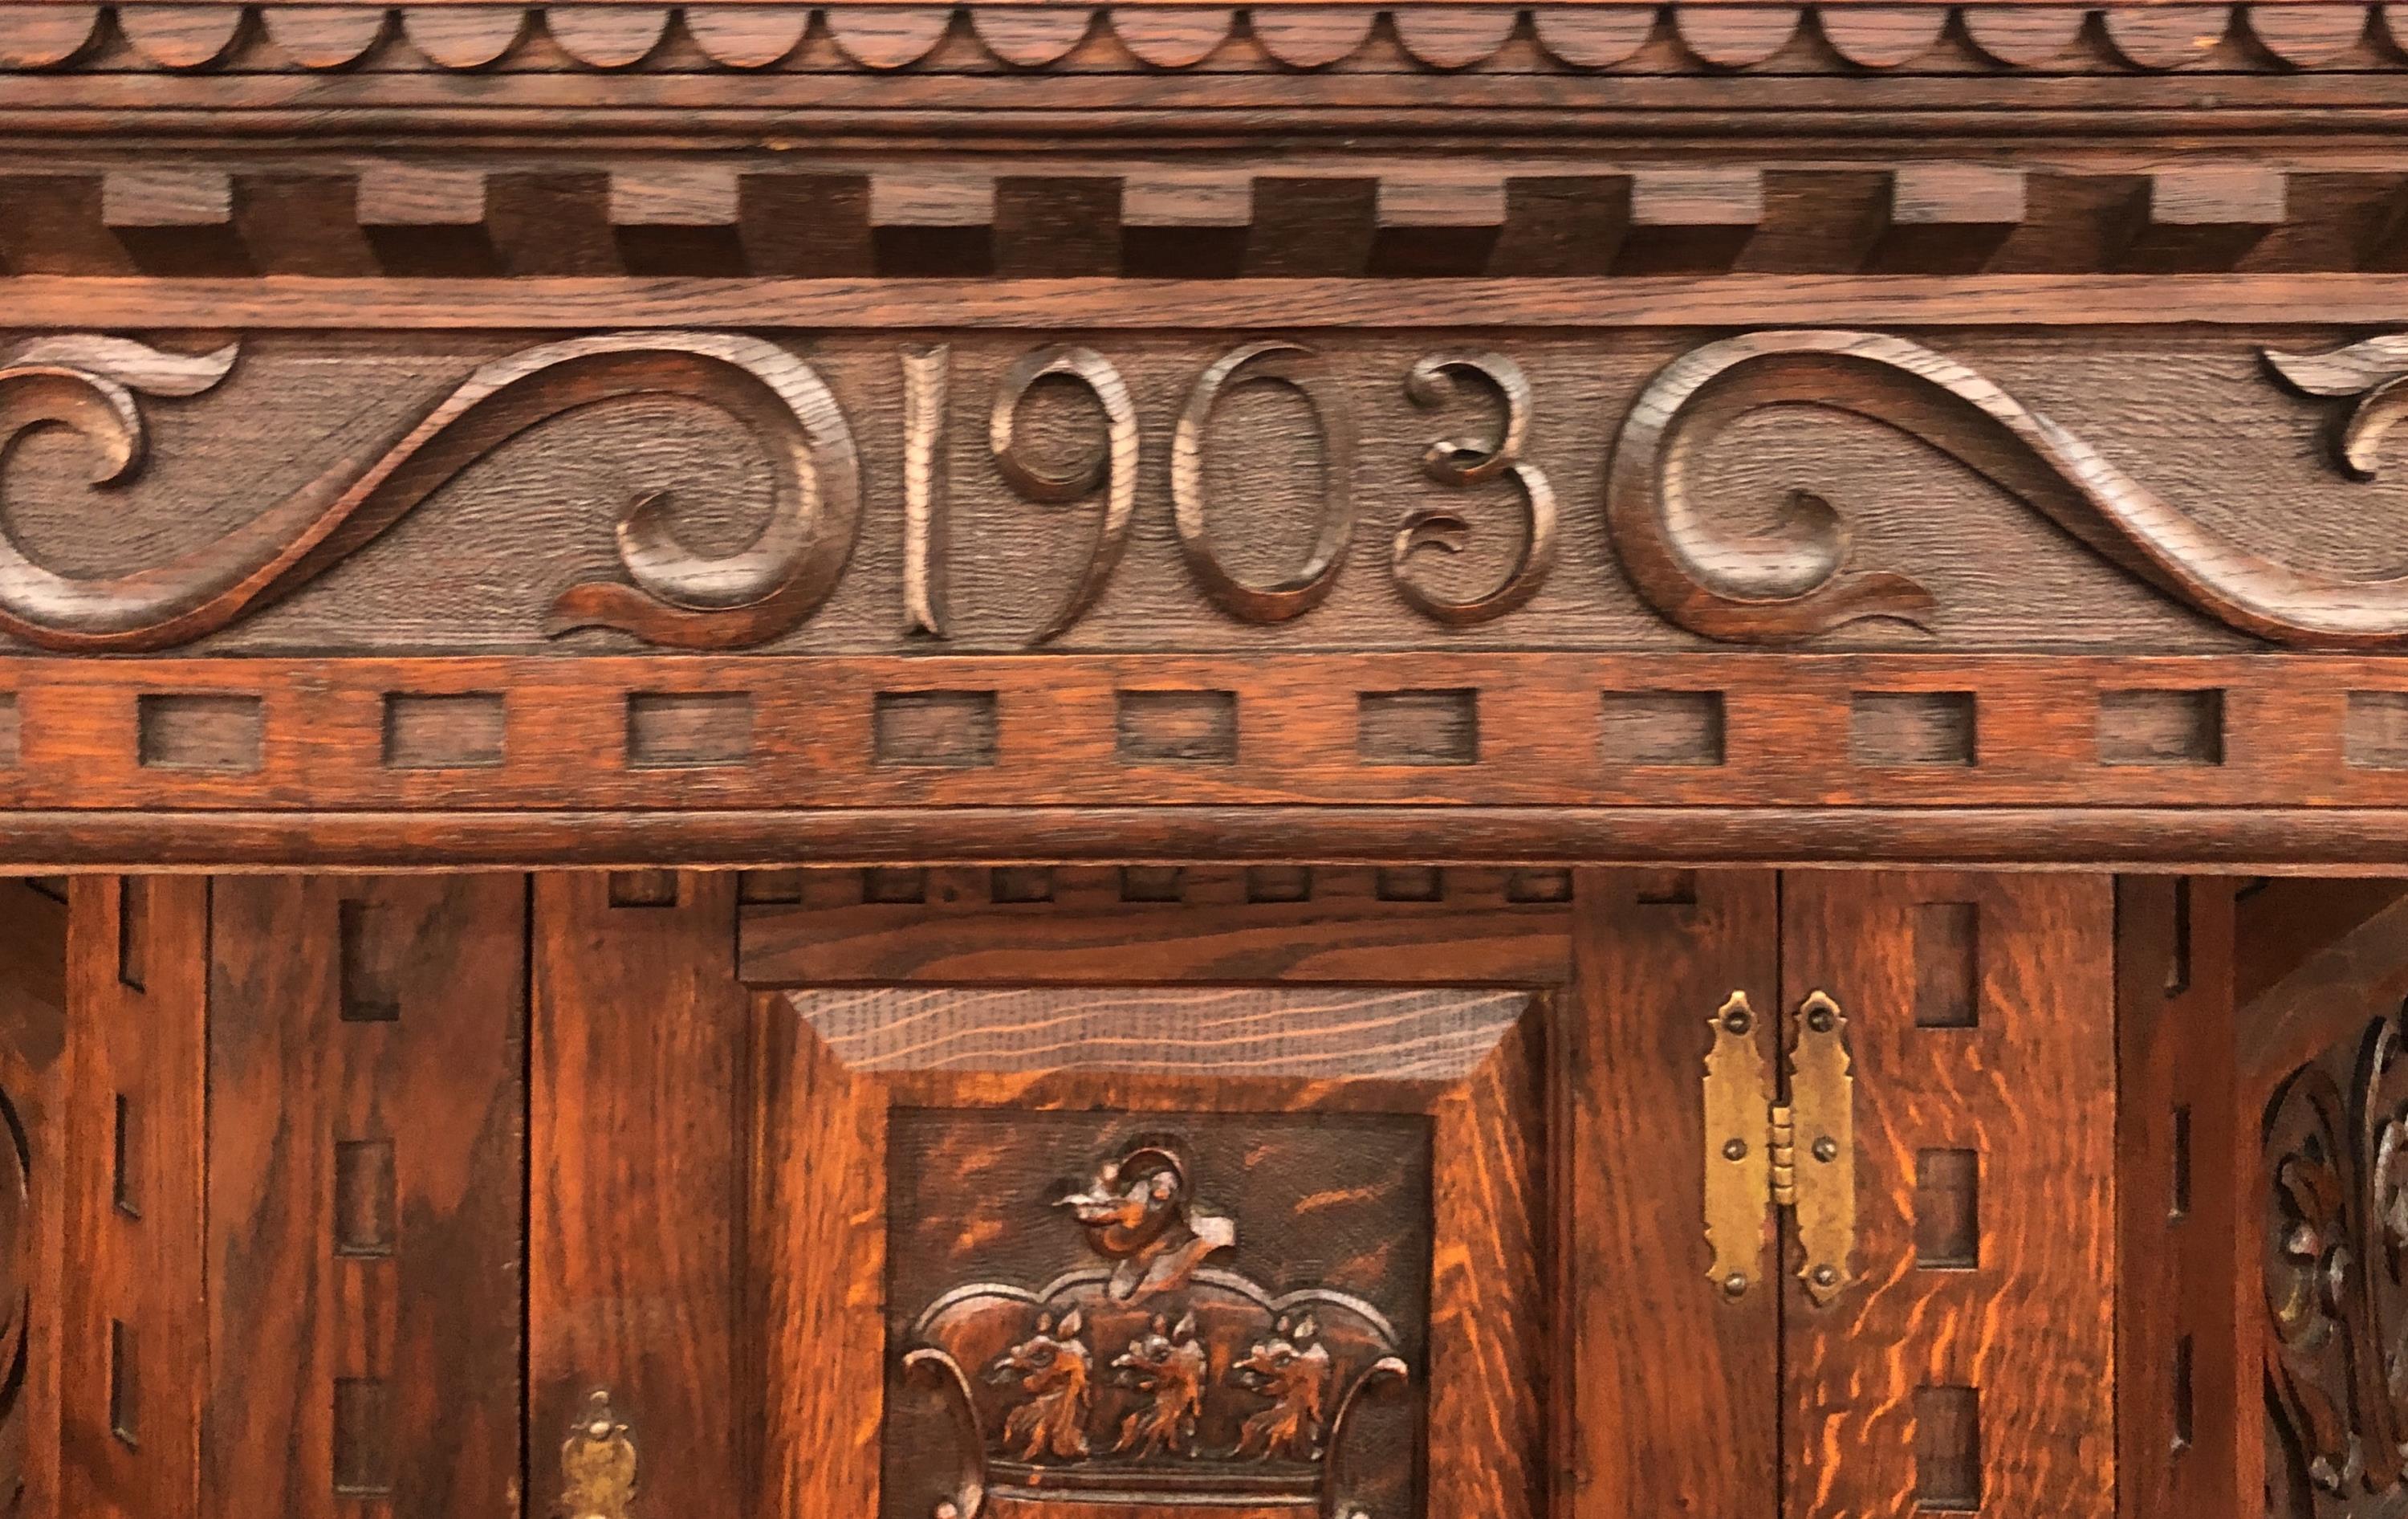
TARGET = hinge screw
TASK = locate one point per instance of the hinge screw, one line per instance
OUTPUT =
(1825, 1276)
(1827, 1149)
(1819, 1020)
(1738, 1021)
(1735, 1150)
(1735, 1284)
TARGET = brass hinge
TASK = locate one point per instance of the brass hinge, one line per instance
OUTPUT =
(1753, 1141)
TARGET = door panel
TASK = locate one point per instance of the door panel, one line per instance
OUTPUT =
(364, 1196)
(134, 1309)
(1970, 1365)
(1673, 1384)
(637, 1221)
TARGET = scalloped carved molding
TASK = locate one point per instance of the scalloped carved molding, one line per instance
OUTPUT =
(1582, 38)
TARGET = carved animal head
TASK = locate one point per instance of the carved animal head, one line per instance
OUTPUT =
(1132, 1202)
(1164, 1351)
(1051, 1358)
(1289, 1365)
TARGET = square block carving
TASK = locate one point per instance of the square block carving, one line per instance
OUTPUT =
(687, 730)
(2161, 727)
(1662, 728)
(943, 729)
(443, 732)
(1419, 728)
(1169, 1251)
(199, 733)
(1911, 727)
(2375, 730)
(1175, 727)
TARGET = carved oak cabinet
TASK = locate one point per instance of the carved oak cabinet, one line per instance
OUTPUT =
(1040, 760)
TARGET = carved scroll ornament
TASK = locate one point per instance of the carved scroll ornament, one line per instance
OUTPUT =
(1785, 586)
(678, 597)
(1798, 583)
(2337, 1277)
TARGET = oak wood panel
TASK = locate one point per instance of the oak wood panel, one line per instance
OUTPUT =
(818, 1263)
(1655, 954)
(34, 1079)
(638, 1223)
(2188, 1316)
(135, 1326)
(2028, 1331)
(366, 1185)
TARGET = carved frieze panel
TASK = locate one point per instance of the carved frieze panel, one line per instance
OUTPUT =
(1140, 491)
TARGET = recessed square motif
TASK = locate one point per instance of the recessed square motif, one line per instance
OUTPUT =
(1156, 1311)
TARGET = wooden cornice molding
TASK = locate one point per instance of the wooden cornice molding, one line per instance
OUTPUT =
(1290, 216)
(1848, 37)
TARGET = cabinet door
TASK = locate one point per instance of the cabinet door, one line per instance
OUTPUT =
(1965, 1364)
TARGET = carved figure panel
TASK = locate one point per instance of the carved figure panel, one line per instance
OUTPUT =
(1134, 490)
(1166, 1311)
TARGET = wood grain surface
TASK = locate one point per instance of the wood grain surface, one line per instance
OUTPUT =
(637, 1225)
(366, 1197)
(1656, 1362)
(2019, 1347)
(134, 1386)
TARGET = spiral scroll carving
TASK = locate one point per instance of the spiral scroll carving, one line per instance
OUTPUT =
(1801, 582)
(672, 596)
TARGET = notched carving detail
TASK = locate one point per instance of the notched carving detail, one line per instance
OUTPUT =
(678, 597)
(1797, 583)
(1464, 463)
(1215, 1391)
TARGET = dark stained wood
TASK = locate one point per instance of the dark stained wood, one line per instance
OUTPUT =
(1861, 1370)
(1648, 975)
(637, 1132)
(1275, 604)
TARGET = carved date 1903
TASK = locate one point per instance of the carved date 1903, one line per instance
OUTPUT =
(1783, 588)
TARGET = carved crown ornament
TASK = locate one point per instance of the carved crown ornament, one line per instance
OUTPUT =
(1155, 1379)
(1807, 579)
(1698, 36)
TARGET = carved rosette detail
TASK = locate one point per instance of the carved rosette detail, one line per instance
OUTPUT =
(1103, 1386)
(1800, 582)
(2336, 1272)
